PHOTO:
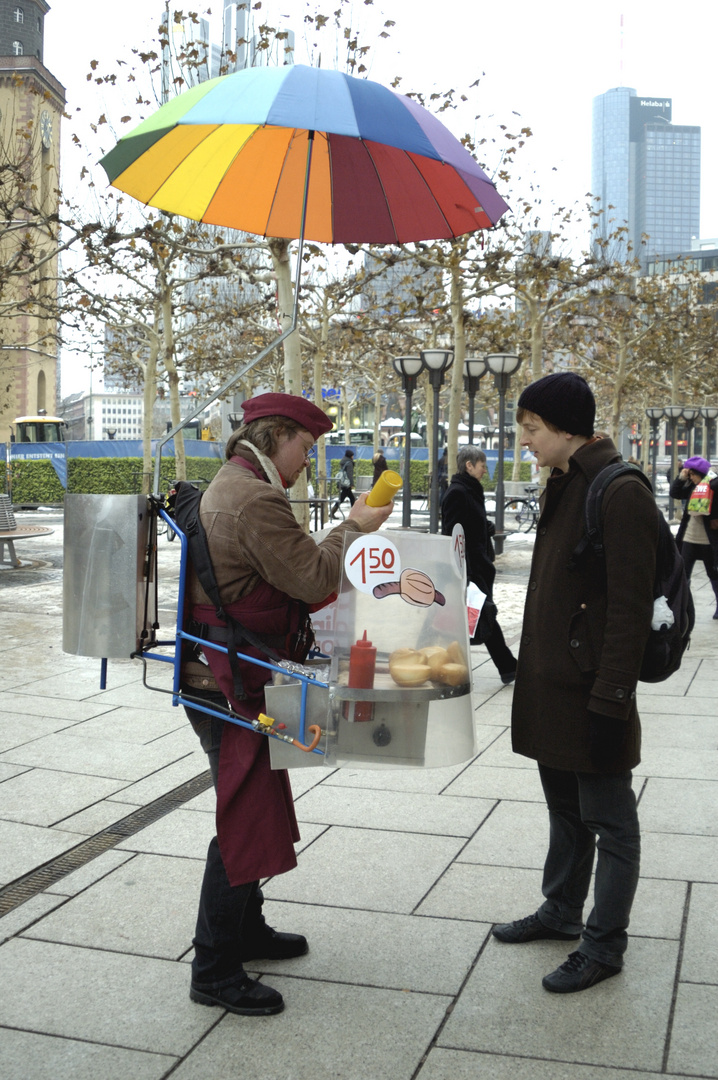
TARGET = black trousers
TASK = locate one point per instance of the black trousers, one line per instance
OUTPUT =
(499, 651)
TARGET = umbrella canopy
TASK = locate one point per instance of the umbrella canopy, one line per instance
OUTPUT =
(233, 151)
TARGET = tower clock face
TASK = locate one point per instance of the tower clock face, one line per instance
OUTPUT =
(46, 129)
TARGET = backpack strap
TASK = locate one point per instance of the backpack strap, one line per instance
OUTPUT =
(593, 534)
(187, 499)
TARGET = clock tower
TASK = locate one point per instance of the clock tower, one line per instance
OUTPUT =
(31, 105)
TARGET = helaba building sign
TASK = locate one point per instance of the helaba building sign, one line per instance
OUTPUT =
(647, 110)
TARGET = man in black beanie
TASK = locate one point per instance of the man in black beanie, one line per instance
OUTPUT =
(574, 705)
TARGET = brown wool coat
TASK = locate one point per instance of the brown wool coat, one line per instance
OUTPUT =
(585, 629)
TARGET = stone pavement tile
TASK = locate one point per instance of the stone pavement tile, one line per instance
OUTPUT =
(426, 781)
(305, 779)
(96, 818)
(45, 797)
(489, 782)
(6, 771)
(679, 762)
(163, 779)
(676, 686)
(27, 703)
(70, 1059)
(679, 857)
(93, 757)
(139, 726)
(487, 894)
(182, 833)
(504, 1009)
(136, 695)
(501, 756)
(658, 908)
(364, 868)
(25, 914)
(700, 951)
(397, 952)
(147, 906)
(402, 811)
(326, 1031)
(680, 806)
(84, 682)
(466, 1065)
(516, 834)
(17, 730)
(309, 834)
(679, 727)
(206, 802)
(128, 1001)
(26, 846)
(694, 1040)
(678, 711)
(93, 871)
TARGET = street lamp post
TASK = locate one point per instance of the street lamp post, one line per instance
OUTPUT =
(410, 368)
(655, 416)
(709, 414)
(474, 371)
(690, 415)
(503, 366)
(437, 362)
(673, 415)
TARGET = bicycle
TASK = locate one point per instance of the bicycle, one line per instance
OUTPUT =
(526, 511)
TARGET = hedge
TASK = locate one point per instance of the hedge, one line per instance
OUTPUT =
(36, 482)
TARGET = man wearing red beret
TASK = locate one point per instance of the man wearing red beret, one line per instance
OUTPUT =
(270, 575)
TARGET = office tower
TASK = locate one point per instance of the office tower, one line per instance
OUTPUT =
(645, 174)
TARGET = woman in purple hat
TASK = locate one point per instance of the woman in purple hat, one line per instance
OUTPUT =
(697, 538)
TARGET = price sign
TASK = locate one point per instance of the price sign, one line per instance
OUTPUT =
(370, 561)
(458, 550)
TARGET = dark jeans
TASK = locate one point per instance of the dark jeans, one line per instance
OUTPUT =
(228, 914)
(693, 553)
(583, 807)
(345, 493)
(499, 651)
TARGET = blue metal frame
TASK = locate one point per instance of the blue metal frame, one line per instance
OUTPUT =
(181, 636)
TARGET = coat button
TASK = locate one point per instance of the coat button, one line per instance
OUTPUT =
(527, 639)
(533, 586)
(575, 643)
(620, 694)
(542, 532)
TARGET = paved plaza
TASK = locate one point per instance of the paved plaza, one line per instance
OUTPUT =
(105, 817)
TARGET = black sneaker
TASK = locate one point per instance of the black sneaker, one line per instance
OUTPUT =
(508, 677)
(529, 929)
(579, 972)
(246, 998)
(270, 944)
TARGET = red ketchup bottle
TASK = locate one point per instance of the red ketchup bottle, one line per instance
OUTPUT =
(362, 664)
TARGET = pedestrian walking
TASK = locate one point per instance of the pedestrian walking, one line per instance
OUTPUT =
(463, 504)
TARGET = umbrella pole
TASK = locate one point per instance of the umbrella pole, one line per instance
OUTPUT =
(266, 351)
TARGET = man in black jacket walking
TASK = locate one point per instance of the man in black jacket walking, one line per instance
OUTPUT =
(463, 504)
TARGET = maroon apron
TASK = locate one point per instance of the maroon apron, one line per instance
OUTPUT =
(256, 824)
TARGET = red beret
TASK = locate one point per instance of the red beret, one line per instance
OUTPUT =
(293, 407)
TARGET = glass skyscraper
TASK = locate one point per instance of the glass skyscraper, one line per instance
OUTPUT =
(645, 174)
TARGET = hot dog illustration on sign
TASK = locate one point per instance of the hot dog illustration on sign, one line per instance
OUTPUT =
(414, 587)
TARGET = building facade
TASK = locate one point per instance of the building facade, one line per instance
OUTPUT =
(645, 176)
(31, 105)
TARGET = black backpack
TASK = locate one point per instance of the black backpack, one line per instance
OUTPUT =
(665, 647)
(182, 505)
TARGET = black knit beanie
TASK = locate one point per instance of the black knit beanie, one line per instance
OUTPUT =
(564, 399)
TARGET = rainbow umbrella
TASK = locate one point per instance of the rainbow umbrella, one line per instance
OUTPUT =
(298, 151)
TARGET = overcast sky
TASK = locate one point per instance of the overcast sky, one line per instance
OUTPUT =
(544, 62)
